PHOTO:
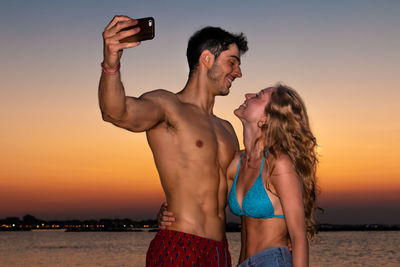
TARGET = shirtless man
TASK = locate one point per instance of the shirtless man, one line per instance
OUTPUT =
(192, 147)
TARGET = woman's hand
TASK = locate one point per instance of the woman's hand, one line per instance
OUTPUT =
(165, 217)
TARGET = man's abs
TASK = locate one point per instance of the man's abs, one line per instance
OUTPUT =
(196, 194)
(199, 215)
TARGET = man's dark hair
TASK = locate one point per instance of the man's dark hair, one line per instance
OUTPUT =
(214, 39)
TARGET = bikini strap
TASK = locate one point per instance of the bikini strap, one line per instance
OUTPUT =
(238, 167)
(262, 164)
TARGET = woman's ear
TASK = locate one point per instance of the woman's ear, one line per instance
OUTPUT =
(206, 58)
(264, 120)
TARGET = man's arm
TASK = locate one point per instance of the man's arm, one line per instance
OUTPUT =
(135, 114)
(289, 189)
(139, 114)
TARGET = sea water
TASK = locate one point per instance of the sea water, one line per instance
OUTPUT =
(56, 249)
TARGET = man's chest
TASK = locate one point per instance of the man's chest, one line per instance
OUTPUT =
(206, 135)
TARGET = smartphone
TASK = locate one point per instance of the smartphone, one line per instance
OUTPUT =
(146, 31)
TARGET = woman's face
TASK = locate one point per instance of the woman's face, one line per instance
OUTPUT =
(252, 109)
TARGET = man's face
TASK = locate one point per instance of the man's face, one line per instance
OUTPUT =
(225, 70)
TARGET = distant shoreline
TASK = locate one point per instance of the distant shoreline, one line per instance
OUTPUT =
(30, 222)
(231, 227)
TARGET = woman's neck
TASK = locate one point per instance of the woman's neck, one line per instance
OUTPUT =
(254, 148)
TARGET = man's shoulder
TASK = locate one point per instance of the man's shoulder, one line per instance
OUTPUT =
(159, 94)
(224, 122)
(161, 97)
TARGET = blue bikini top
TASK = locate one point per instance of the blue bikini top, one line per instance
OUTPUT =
(256, 202)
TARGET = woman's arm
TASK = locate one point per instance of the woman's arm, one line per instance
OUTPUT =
(289, 189)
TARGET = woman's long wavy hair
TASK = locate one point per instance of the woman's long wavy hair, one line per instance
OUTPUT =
(288, 131)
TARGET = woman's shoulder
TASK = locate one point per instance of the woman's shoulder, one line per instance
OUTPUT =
(283, 160)
(282, 164)
(231, 171)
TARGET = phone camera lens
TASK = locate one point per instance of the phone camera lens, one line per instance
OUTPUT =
(150, 23)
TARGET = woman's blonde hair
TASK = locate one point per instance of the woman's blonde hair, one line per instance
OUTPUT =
(288, 131)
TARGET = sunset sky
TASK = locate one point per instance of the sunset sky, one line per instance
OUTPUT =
(59, 160)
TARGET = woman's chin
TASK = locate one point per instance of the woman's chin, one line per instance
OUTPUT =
(238, 113)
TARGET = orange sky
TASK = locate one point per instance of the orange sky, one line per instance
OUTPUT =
(59, 159)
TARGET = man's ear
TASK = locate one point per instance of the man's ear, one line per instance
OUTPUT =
(206, 58)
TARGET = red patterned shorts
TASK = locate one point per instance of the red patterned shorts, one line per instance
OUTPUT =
(172, 248)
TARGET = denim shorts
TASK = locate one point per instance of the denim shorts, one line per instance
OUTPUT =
(279, 257)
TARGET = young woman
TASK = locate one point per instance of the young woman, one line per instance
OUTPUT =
(272, 182)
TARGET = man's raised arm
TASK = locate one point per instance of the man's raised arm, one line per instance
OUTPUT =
(135, 114)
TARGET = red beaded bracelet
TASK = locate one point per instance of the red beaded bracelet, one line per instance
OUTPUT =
(110, 72)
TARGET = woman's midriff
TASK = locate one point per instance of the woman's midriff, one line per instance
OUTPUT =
(264, 234)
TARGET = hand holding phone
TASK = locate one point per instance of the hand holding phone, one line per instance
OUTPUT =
(146, 32)
(115, 43)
